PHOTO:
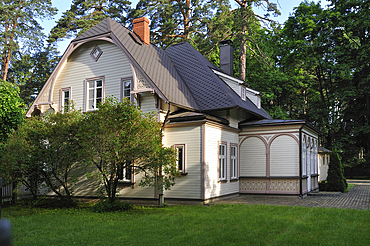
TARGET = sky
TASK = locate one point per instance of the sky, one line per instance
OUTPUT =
(285, 6)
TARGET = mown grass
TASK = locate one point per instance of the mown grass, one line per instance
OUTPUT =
(191, 225)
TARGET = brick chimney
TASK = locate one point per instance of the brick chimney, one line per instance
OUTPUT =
(141, 28)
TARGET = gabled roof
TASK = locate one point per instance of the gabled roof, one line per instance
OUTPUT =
(149, 59)
(180, 75)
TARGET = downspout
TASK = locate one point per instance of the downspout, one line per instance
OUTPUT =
(168, 113)
(300, 161)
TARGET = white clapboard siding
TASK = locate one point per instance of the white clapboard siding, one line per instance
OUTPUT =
(212, 187)
(253, 158)
(284, 161)
(113, 64)
(233, 85)
(147, 102)
(189, 186)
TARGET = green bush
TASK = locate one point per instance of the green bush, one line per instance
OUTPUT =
(107, 206)
(335, 180)
(54, 203)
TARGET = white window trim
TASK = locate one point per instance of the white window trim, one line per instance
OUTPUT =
(102, 78)
(123, 80)
(61, 108)
(183, 146)
(233, 162)
(304, 157)
(243, 93)
(222, 165)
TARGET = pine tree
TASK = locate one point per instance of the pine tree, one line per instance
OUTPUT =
(335, 179)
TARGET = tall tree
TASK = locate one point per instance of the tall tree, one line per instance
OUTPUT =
(30, 71)
(19, 22)
(84, 14)
(174, 21)
(11, 109)
(352, 44)
(245, 18)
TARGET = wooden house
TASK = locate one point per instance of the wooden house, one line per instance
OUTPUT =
(227, 143)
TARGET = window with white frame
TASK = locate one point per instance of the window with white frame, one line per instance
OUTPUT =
(126, 88)
(95, 93)
(243, 93)
(234, 162)
(222, 161)
(124, 172)
(180, 161)
(65, 99)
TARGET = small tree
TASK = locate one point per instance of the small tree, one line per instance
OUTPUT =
(44, 150)
(119, 136)
(336, 180)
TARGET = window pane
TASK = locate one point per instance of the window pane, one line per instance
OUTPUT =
(91, 104)
(99, 93)
(99, 83)
(180, 158)
(91, 94)
(66, 94)
(91, 84)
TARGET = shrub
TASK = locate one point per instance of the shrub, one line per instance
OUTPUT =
(335, 179)
(107, 206)
(54, 203)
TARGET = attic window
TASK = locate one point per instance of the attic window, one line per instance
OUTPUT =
(96, 53)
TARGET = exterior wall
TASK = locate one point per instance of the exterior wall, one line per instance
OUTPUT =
(269, 160)
(253, 97)
(253, 157)
(213, 186)
(323, 166)
(147, 102)
(187, 186)
(284, 156)
(233, 85)
(112, 64)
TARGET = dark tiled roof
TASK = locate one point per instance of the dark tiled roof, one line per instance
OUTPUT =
(271, 122)
(181, 74)
(323, 150)
(208, 90)
(191, 116)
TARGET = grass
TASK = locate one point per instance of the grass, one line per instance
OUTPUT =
(350, 186)
(190, 225)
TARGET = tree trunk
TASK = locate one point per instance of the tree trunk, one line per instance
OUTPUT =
(243, 55)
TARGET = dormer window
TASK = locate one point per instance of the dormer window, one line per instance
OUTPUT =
(243, 93)
(96, 53)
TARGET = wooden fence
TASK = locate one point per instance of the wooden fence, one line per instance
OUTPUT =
(7, 193)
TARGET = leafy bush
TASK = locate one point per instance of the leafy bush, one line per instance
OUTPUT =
(107, 206)
(54, 203)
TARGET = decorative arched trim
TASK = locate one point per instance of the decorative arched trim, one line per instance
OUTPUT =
(267, 152)
(282, 134)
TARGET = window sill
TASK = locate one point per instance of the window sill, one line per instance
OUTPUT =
(222, 181)
(314, 175)
(182, 174)
(125, 183)
(234, 180)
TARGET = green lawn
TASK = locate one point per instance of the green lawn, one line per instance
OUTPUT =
(191, 225)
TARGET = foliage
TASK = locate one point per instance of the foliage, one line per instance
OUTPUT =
(45, 150)
(84, 14)
(11, 109)
(53, 203)
(195, 225)
(19, 22)
(117, 137)
(30, 71)
(176, 21)
(107, 206)
(335, 179)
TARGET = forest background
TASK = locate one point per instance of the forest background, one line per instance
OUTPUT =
(314, 66)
